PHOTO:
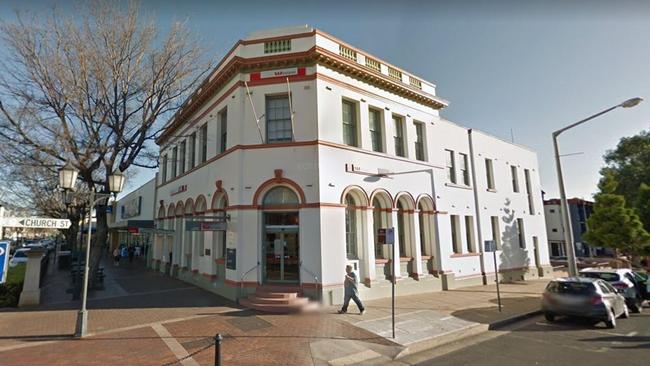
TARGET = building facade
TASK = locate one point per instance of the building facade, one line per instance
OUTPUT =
(132, 220)
(579, 212)
(302, 147)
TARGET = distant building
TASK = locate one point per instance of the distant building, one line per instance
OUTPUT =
(579, 211)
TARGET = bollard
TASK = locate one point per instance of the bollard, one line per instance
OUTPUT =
(217, 349)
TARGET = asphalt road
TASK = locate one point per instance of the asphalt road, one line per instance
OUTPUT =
(565, 342)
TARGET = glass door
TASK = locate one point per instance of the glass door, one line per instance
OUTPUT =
(281, 249)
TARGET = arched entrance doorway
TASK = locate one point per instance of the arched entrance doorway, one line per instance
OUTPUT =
(281, 247)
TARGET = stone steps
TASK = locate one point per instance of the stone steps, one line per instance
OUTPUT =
(279, 300)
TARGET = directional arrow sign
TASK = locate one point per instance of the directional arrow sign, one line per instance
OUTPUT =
(36, 222)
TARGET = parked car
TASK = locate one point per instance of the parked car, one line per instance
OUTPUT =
(624, 280)
(581, 297)
(20, 256)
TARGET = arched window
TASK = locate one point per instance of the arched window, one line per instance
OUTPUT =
(351, 228)
(280, 195)
(401, 228)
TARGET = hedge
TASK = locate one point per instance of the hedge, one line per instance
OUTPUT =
(10, 290)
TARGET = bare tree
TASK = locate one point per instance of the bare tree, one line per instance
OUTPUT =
(92, 88)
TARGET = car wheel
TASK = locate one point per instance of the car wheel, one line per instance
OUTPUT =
(549, 317)
(626, 312)
(611, 320)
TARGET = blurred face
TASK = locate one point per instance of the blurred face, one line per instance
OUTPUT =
(348, 269)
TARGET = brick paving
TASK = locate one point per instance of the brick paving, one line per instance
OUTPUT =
(135, 299)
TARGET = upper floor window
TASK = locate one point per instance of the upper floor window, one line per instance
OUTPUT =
(464, 168)
(529, 192)
(192, 150)
(350, 136)
(164, 168)
(451, 166)
(174, 161)
(203, 135)
(398, 124)
(376, 132)
(489, 173)
(281, 45)
(419, 141)
(182, 157)
(515, 179)
(223, 130)
(278, 119)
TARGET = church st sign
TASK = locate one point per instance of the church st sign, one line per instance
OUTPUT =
(36, 222)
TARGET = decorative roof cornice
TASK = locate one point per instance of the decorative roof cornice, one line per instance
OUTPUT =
(315, 55)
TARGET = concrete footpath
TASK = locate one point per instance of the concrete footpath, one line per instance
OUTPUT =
(146, 318)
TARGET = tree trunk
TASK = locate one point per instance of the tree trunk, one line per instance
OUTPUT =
(98, 246)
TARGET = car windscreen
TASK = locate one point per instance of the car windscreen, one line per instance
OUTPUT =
(20, 254)
(573, 288)
(607, 276)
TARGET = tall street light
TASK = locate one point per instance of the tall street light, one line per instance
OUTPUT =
(568, 232)
(67, 178)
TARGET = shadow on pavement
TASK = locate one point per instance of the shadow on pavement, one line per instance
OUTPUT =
(511, 306)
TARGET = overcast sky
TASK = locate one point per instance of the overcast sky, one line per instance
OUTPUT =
(510, 68)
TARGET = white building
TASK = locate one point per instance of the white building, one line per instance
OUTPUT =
(131, 222)
(302, 192)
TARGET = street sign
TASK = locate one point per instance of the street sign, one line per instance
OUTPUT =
(36, 222)
(4, 260)
(205, 226)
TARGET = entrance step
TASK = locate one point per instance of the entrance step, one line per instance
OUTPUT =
(278, 299)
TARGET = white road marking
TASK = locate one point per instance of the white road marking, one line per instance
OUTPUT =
(177, 349)
(447, 318)
(631, 334)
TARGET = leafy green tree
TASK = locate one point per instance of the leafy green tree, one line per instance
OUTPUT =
(614, 225)
(629, 165)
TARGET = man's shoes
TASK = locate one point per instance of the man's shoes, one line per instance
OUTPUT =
(342, 312)
(362, 312)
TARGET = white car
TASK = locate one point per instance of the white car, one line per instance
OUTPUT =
(20, 256)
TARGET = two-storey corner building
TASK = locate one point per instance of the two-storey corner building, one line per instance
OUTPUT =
(305, 147)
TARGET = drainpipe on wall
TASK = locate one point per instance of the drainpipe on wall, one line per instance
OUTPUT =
(479, 232)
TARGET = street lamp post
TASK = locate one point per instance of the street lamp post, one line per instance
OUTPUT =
(564, 208)
(67, 178)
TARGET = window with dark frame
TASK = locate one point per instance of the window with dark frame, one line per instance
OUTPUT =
(376, 132)
(529, 192)
(515, 179)
(419, 141)
(455, 234)
(182, 157)
(521, 235)
(349, 118)
(223, 130)
(469, 233)
(204, 142)
(464, 168)
(398, 124)
(192, 150)
(489, 174)
(278, 119)
(451, 166)
(164, 168)
(174, 161)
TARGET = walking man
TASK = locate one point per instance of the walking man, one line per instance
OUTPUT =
(351, 292)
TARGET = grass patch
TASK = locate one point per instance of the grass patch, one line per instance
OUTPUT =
(10, 290)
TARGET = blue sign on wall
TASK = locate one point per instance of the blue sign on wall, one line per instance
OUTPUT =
(4, 260)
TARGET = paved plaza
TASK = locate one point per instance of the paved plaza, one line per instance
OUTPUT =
(144, 317)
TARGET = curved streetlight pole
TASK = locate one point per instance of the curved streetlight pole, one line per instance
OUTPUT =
(564, 208)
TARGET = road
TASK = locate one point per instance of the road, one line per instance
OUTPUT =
(565, 342)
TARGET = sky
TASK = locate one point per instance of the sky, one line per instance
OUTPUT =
(515, 69)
